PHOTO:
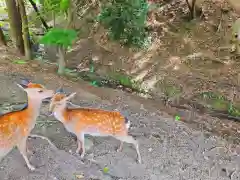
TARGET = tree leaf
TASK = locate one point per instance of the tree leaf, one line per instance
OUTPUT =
(59, 37)
(105, 169)
(64, 5)
(20, 61)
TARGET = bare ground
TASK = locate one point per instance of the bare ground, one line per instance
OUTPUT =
(170, 149)
(185, 60)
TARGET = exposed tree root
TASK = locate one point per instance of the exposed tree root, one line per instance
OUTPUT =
(44, 138)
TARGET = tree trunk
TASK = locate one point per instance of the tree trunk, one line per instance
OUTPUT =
(2, 38)
(25, 30)
(195, 8)
(191, 7)
(61, 60)
(15, 25)
(70, 15)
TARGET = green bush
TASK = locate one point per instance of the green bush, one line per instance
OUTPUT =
(59, 37)
(125, 20)
(55, 5)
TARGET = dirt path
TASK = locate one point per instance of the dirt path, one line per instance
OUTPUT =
(170, 150)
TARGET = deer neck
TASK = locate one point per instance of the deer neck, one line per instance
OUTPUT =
(61, 114)
(33, 108)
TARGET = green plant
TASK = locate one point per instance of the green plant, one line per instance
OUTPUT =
(123, 79)
(63, 39)
(125, 20)
(234, 111)
(51, 5)
(171, 91)
(221, 103)
(50, 8)
(126, 81)
(7, 36)
(57, 6)
(59, 37)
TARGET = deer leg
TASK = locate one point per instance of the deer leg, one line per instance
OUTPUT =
(131, 140)
(120, 148)
(29, 149)
(22, 148)
(44, 138)
(81, 144)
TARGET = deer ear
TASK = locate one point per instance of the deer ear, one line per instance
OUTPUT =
(70, 96)
(60, 90)
(21, 86)
(25, 82)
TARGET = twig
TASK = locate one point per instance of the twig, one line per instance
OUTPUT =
(85, 9)
(233, 95)
(47, 121)
(15, 103)
(74, 105)
(44, 23)
(220, 23)
(44, 138)
(194, 56)
(47, 62)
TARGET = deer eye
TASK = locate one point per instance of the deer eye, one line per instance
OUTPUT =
(40, 91)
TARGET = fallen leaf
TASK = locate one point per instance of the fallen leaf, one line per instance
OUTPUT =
(105, 169)
(20, 62)
(79, 176)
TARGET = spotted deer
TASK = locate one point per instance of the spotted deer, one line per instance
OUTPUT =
(94, 122)
(15, 127)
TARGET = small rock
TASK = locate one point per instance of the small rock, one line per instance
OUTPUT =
(34, 65)
(128, 89)
(225, 10)
(150, 149)
(80, 176)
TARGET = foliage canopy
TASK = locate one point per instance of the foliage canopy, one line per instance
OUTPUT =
(125, 20)
(55, 5)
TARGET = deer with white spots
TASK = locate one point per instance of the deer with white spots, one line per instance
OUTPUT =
(15, 127)
(94, 122)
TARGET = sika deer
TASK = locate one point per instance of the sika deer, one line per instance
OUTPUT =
(15, 127)
(95, 122)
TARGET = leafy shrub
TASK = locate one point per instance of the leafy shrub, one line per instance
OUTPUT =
(59, 37)
(50, 5)
(125, 20)
(57, 6)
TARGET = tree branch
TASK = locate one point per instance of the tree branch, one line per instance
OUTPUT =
(39, 15)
